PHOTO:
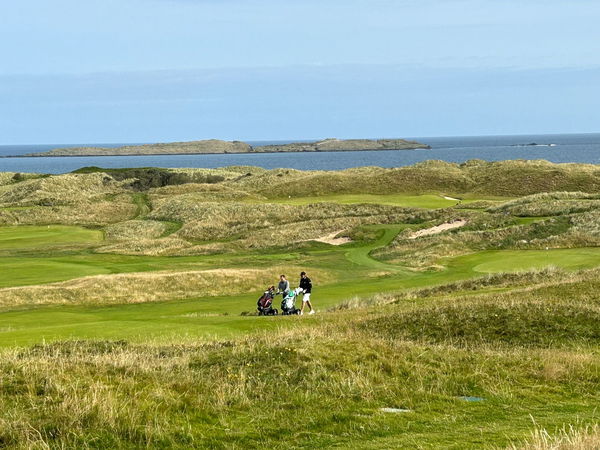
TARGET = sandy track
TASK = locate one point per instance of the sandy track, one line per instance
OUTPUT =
(332, 240)
(438, 229)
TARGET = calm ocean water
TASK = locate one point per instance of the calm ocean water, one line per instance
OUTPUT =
(560, 148)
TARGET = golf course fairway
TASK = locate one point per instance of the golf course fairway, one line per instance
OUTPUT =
(219, 316)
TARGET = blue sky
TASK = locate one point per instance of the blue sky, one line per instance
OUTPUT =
(162, 70)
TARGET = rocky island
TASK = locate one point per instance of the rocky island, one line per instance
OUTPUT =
(340, 145)
(215, 146)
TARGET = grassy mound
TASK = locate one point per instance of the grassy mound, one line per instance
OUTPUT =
(480, 177)
(146, 178)
(251, 225)
(527, 323)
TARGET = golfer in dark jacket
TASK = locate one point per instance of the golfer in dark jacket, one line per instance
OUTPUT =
(306, 286)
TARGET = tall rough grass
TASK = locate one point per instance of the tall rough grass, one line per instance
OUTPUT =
(213, 213)
(332, 380)
(60, 190)
(205, 192)
(550, 204)
(266, 225)
(91, 199)
(93, 213)
(6, 178)
(147, 246)
(527, 177)
(135, 230)
(566, 313)
(549, 276)
(149, 287)
(568, 438)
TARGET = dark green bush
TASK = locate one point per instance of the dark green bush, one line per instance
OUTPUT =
(17, 177)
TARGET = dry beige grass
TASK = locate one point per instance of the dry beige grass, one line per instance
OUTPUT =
(265, 225)
(232, 215)
(528, 177)
(135, 230)
(226, 172)
(91, 199)
(257, 181)
(149, 287)
(204, 192)
(60, 190)
(282, 235)
(571, 438)
(485, 231)
(114, 394)
(167, 246)
(6, 178)
(85, 212)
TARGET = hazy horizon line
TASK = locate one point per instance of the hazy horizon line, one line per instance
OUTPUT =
(304, 139)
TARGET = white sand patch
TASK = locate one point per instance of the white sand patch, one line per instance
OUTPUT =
(395, 410)
(332, 240)
(451, 198)
(438, 229)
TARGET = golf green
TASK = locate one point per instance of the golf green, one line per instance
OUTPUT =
(45, 236)
(519, 260)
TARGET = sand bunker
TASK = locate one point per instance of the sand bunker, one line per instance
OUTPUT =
(438, 229)
(452, 198)
(332, 240)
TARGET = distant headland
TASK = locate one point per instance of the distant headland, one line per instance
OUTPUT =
(215, 146)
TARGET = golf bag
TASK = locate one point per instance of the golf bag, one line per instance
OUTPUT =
(288, 304)
(265, 304)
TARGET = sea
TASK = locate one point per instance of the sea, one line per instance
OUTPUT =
(558, 148)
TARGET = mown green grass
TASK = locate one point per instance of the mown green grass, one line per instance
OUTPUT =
(45, 236)
(428, 201)
(220, 316)
(44, 266)
(515, 260)
(29, 270)
(359, 275)
(410, 201)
